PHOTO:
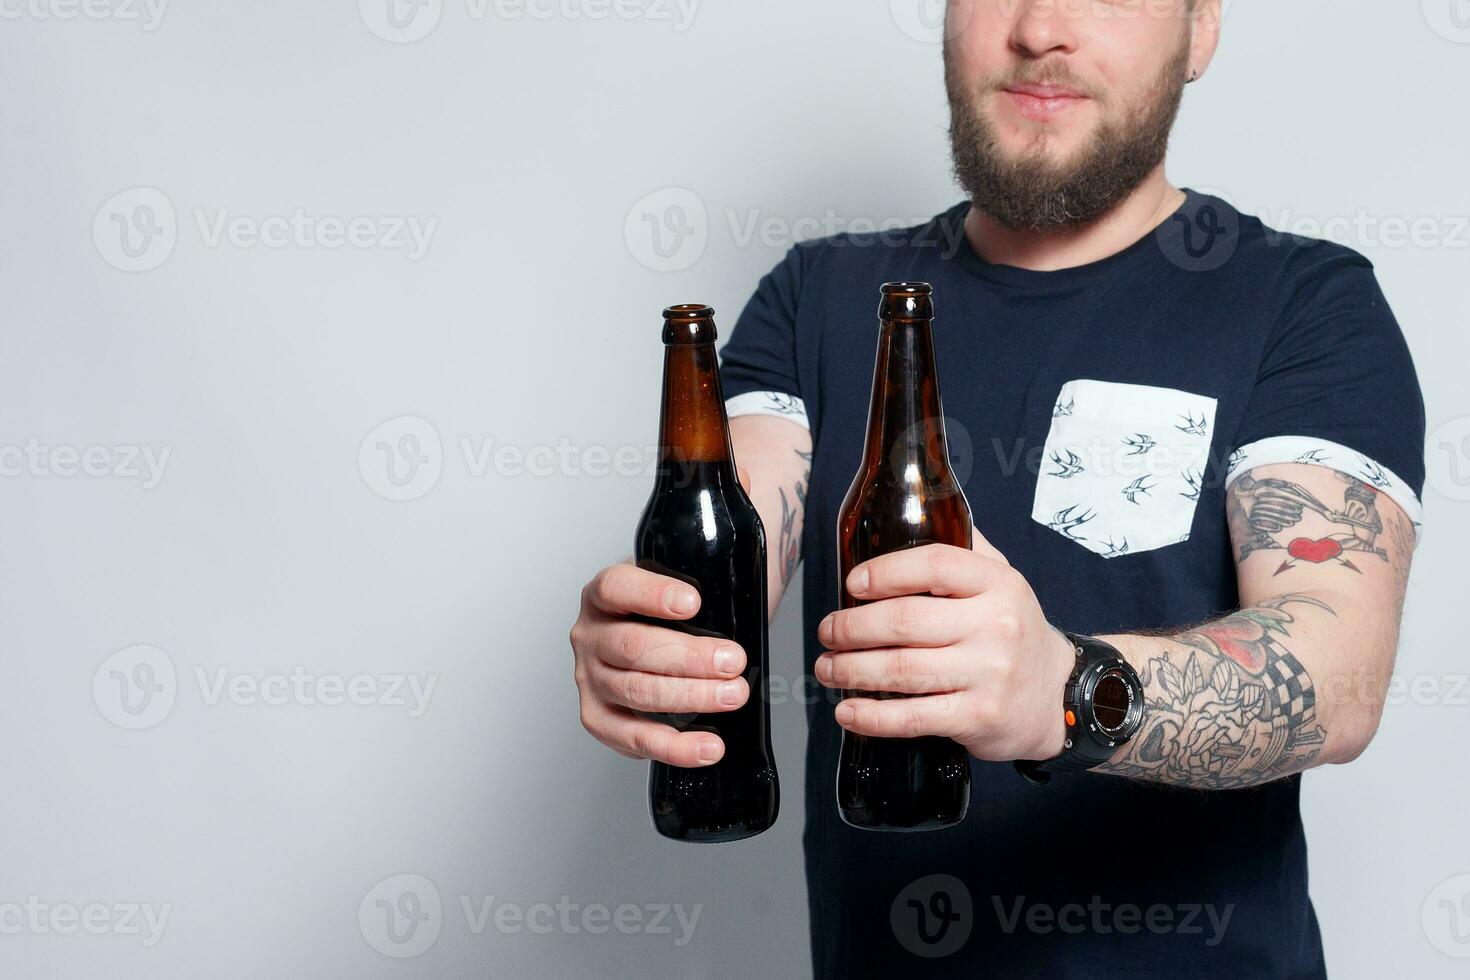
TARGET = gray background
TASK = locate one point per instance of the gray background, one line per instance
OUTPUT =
(271, 544)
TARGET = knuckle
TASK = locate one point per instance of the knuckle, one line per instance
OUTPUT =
(1007, 626)
(601, 582)
(627, 645)
(911, 724)
(684, 696)
(905, 618)
(636, 690)
(902, 668)
(642, 743)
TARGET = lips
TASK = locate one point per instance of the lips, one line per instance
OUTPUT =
(1042, 103)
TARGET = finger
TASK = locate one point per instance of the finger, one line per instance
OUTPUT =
(743, 475)
(902, 670)
(641, 738)
(639, 646)
(622, 589)
(938, 569)
(643, 691)
(907, 621)
(982, 546)
(934, 714)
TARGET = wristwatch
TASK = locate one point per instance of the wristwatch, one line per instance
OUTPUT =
(1102, 705)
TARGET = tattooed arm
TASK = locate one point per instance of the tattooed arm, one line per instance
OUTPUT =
(776, 455)
(1297, 677)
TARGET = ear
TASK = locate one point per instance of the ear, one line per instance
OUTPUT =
(1204, 34)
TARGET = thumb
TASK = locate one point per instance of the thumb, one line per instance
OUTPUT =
(744, 476)
(981, 546)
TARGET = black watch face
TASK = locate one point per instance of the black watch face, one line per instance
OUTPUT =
(1111, 700)
(1116, 703)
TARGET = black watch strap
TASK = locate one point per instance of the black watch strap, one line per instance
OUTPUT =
(1084, 748)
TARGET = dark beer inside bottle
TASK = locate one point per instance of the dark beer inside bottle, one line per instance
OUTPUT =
(904, 496)
(701, 527)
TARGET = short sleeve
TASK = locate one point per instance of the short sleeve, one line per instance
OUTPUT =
(1336, 385)
(758, 368)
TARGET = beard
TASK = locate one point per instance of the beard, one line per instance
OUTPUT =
(1031, 192)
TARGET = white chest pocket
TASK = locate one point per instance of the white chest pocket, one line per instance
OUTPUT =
(1123, 465)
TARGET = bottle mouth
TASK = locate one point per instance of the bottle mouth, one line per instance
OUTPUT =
(905, 301)
(688, 311)
(689, 323)
(906, 289)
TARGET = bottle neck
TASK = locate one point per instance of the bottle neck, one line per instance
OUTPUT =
(906, 419)
(693, 431)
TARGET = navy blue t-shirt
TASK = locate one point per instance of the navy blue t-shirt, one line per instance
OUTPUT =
(1226, 345)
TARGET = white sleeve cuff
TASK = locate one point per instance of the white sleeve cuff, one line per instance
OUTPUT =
(768, 403)
(1320, 452)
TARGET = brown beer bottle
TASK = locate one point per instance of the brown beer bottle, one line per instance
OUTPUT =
(701, 527)
(904, 495)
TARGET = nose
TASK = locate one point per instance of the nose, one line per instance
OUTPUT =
(1042, 27)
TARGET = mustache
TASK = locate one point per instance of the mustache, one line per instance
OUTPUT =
(1043, 73)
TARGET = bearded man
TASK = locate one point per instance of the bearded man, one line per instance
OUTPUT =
(1194, 464)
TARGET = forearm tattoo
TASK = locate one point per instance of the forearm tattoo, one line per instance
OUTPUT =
(1231, 707)
(1265, 514)
(788, 547)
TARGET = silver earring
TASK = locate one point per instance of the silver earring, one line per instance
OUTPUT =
(1193, 75)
